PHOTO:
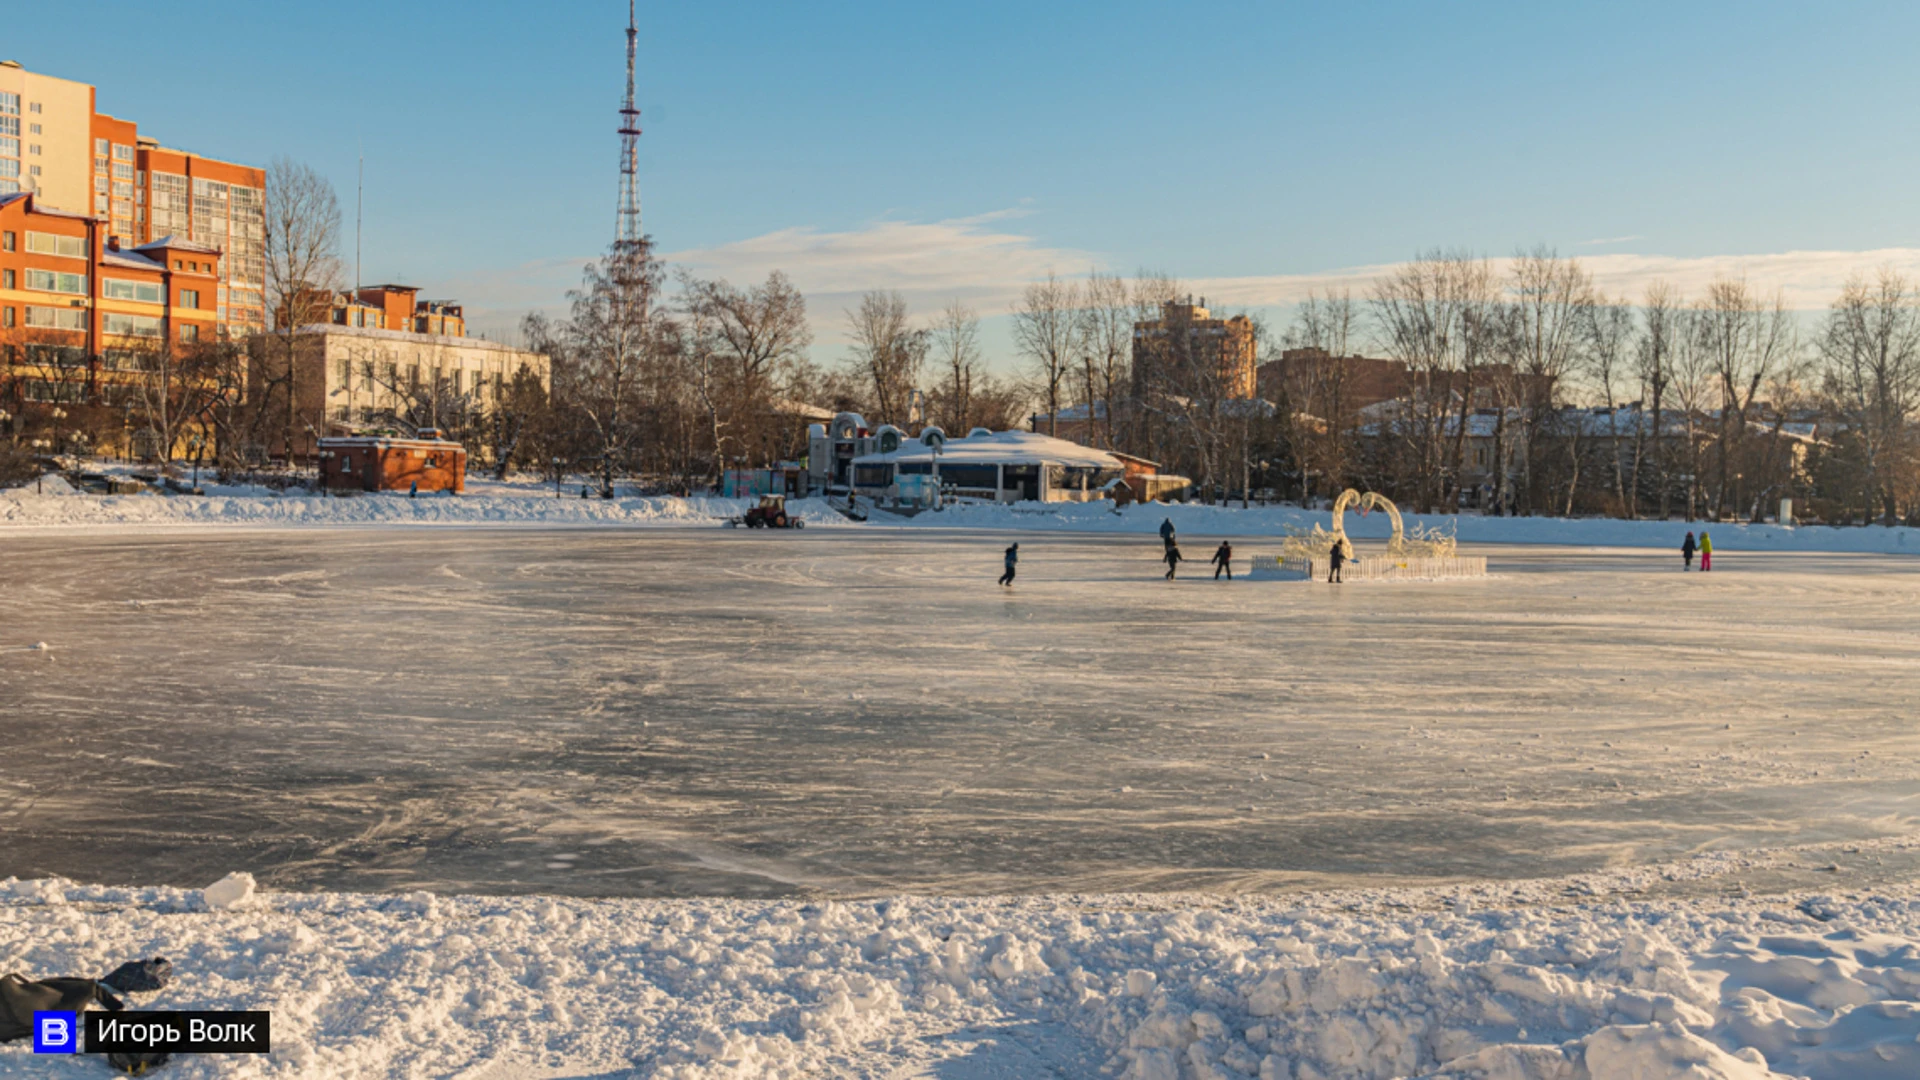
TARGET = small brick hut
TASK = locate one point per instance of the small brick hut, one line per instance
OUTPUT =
(391, 463)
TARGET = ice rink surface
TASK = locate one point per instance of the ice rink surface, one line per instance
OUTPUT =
(718, 712)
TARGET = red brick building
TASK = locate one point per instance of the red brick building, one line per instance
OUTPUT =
(391, 463)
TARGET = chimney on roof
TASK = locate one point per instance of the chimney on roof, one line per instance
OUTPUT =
(113, 243)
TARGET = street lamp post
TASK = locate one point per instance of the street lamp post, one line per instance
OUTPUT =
(556, 478)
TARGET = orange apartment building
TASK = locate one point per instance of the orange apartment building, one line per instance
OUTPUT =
(57, 145)
(80, 314)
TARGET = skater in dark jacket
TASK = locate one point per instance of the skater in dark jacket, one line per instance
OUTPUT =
(1687, 548)
(1173, 558)
(1013, 556)
(1166, 534)
(1336, 559)
(1223, 560)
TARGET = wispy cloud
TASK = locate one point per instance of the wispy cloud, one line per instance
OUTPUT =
(984, 261)
(1809, 280)
(931, 263)
(1609, 240)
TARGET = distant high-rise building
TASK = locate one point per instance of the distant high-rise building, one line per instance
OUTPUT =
(56, 145)
(1189, 352)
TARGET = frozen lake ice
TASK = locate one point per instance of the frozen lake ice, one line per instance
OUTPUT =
(678, 712)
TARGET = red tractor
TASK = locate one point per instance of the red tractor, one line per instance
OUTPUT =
(770, 514)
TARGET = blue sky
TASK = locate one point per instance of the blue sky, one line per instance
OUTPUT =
(958, 150)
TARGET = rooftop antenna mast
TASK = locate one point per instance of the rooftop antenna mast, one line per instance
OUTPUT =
(359, 200)
(627, 234)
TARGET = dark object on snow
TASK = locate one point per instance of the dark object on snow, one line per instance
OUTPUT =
(21, 997)
(138, 1063)
(1173, 558)
(1013, 558)
(141, 976)
(1166, 533)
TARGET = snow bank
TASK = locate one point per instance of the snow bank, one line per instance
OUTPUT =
(528, 503)
(1407, 983)
(24, 508)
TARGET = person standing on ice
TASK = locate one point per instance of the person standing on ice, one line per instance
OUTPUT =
(1173, 558)
(1706, 551)
(1336, 559)
(1223, 560)
(1166, 534)
(1687, 549)
(1013, 556)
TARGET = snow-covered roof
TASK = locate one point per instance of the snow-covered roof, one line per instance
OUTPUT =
(175, 243)
(337, 330)
(1000, 448)
(128, 260)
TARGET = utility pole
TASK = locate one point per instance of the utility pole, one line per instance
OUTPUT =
(359, 201)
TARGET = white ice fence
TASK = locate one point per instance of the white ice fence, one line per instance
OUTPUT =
(1373, 568)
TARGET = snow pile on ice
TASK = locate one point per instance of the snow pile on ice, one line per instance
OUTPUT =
(1147, 988)
(232, 891)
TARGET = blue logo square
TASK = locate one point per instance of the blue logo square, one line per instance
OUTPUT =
(56, 1032)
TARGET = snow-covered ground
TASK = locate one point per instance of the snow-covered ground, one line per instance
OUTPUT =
(1539, 980)
(526, 502)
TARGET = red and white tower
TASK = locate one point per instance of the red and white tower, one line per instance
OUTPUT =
(627, 232)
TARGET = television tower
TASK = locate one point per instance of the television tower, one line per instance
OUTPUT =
(627, 233)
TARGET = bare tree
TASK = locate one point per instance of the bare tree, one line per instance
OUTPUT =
(1550, 298)
(753, 339)
(1662, 324)
(1746, 342)
(1609, 334)
(887, 351)
(1046, 331)
(1870, 346)
(1317, 411)
(303, 268)
(615, 335)
(1437, 315)
(955, 344)
(1105, 337)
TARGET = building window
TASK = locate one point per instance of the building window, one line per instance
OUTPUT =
(343, 373)
(7, 240)
(33, 129)
(6, 317)
(146, 292)
(122, 153)
(53, 281)
(71, 247)
(189, 332)
(10, 147)
(6, 280)
(123, 172)
(33, 170)
(9, 167)
(100, 147)
(55, 318)
(9, 103)
(33, 149)
(130, 325)
(9, 125)
(190, 298)
(34, 108)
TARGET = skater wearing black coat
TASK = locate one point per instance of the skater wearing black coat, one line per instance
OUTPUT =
(1687, 548)
(1166, 534)
(1013, 556)
(1223, 560)
(1173, 558)
(1336, 559)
